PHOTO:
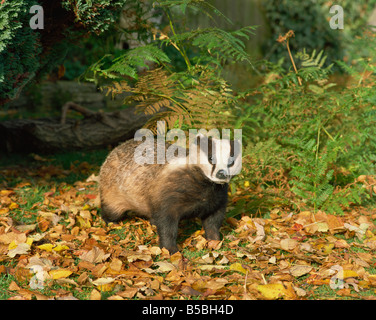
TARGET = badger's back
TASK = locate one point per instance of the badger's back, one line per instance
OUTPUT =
(124, 183)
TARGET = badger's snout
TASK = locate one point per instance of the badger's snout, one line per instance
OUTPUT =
(221, 174)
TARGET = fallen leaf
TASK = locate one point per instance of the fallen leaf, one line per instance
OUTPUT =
(13, 286)
(6, 192)
(138, 256)
(348, 274)
(9, 237)
(211, 267)
(4, 211)
(95, 255)
(60, 247)
(22, 248)
(60, 273)
(238, 267)
(26, 227)
(298, 271)
(174, 275)
(13, 206)
(322, 227)
(95, 295)
(341, 243)
(46, 246)
(300, 292)
(272, 290)
(216, 284)
(129, 293)
(104, 284)
(288, 244)
(164, 266)
(116, 264)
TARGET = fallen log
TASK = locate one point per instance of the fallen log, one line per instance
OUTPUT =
(96, 130)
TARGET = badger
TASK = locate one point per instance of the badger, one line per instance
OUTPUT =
(168, 192)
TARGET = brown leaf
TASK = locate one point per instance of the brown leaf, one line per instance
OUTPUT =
(9, 237)
(116, 264)
(174, 276)
(14, 286)
(95, 255)
(134, 256)
(300, 270)
(187, 290)
(288, 244)
(95, 295)
(129, 293)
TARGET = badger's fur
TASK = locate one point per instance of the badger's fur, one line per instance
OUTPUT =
(166, 193)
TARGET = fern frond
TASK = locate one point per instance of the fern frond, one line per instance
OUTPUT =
(227, 44)
(127, 64)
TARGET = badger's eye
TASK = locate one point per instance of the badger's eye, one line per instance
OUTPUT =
(230, 161)
(211, 159)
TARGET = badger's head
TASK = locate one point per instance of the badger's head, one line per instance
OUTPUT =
(219, 159)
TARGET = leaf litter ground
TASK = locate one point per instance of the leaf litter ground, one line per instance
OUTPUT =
(54, 245)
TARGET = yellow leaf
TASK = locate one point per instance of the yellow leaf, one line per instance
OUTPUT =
(60, 273)
(6, 192)
(86, 207)
(246, 184)
(47, 247)
(13, 206)
(12, 245)
(349, 274)
(327, 249)
(4, 211)
(104, 284)
(29, 241)
(60, 247)
(83, 223)
(238, 267)
(272, 290)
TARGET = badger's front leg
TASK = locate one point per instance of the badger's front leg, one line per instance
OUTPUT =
(212, 224)
(167, 228)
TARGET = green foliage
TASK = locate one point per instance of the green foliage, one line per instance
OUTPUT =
(127, 64)
(324, 134)
(312, 177)
(225, 45)
(96, 15)
(193, 96)
(309, 21)
(19, 47)
(26, 53)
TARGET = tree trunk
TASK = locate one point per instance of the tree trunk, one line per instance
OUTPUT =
(96, 130)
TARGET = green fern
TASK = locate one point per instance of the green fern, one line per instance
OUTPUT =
(312, 178)
(127, 65)
(227, 45)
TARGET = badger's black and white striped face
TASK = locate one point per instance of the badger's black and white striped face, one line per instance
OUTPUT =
(219, 159)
